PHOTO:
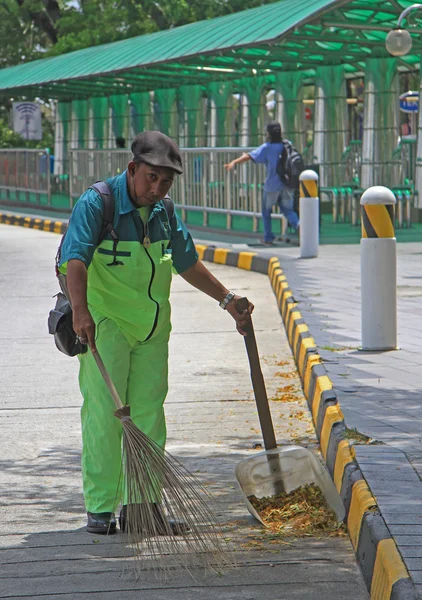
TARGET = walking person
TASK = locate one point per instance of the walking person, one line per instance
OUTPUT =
(276, 192)
(120, 299)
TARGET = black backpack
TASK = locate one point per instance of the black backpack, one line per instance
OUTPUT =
(60, 319)
(290, 165)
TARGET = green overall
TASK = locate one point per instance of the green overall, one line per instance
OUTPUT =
(129, 302)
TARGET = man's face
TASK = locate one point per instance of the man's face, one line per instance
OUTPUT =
(148, 185)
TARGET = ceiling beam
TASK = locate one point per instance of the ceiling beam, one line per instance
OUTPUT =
(360, 26)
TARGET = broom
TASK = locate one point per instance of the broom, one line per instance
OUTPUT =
(157, 488)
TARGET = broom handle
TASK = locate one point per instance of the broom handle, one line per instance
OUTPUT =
(108, 381)
(258, 383)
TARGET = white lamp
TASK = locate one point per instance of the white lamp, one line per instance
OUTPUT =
(398, 42)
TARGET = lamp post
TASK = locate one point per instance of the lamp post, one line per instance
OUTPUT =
(399, 40)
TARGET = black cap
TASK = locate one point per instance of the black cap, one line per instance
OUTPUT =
(274, 127)
(157, 150)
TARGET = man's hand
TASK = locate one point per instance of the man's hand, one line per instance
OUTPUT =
(242, 319)
(84, 327)
(229, 166)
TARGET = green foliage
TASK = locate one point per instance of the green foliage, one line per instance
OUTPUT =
(50, 27)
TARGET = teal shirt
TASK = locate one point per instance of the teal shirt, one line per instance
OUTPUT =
(136, 293)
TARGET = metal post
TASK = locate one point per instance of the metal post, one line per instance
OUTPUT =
(378, 270)
(309, 214)
(47, 153)
(70, 154)
(228, 198)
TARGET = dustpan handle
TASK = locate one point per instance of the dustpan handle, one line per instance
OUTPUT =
(108, 381)
(258, 383)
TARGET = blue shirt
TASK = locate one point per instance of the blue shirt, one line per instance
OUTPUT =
(86, 221)
(268, 155)
(129, 284)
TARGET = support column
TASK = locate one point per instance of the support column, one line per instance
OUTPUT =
(99, 116)
(140, 114)
(380, 122)
(418, 170)
(330, 124)
(120, 116)
(253, 87)
(289, 108)
(222, 95)
(191, 96)
(79, 123)
(164, 101)
(61, 138)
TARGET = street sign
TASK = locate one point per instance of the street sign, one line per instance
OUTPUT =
(409, 102)
(27, 120)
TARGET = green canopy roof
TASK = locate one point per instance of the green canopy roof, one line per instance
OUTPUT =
(286, 35)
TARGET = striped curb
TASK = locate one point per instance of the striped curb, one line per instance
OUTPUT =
(383, 569)
(34, 222)
(382, 566)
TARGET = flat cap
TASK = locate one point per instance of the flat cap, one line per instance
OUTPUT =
(157, 150)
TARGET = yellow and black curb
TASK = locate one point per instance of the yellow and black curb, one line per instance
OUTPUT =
(41, 223)
(383, 569)
(382, 566)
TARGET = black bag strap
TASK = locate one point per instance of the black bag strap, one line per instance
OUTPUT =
(169, 206)
(101, 187)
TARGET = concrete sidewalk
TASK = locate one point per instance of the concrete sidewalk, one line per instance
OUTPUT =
(45, 551)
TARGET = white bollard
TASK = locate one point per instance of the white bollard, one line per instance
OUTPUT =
(309, 214)
(378, 265)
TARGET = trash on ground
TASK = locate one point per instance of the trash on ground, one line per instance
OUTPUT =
(303, 512)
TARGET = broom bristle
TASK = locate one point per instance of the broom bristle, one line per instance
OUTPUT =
(157, 488)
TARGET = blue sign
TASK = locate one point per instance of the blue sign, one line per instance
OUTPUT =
(409, 102)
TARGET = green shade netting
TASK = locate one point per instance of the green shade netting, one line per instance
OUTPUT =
(222, 95)
(120, 113)
(191, 96)
(330, 124)
(65, 115)
(381, 123)
(80, 112)
(165, 109)
(253, 87)
(418, 169)
(289, 86)
(141, 111)
(100, 118)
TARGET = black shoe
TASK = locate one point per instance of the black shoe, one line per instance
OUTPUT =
(101, 523)
(161, 525)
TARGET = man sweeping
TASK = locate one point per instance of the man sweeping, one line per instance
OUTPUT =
(119, 292)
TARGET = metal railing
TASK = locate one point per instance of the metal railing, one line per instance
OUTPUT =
(205, 185)
(25, 172)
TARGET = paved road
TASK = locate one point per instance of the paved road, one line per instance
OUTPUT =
(45, 551)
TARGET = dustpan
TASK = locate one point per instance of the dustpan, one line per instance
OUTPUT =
(278, 469)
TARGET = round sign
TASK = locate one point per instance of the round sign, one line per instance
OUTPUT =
(308, 113)
(409, 102)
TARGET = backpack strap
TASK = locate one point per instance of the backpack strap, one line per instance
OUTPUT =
(107, 197)
(169, 206)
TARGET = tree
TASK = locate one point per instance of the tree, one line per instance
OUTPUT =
(49, 27)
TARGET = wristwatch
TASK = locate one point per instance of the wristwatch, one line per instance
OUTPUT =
(226, 300)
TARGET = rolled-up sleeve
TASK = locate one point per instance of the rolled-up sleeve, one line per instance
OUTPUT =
(84, 230)
(184, 253)
(259, 155)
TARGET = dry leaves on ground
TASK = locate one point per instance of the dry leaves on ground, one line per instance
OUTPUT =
(301, 513)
